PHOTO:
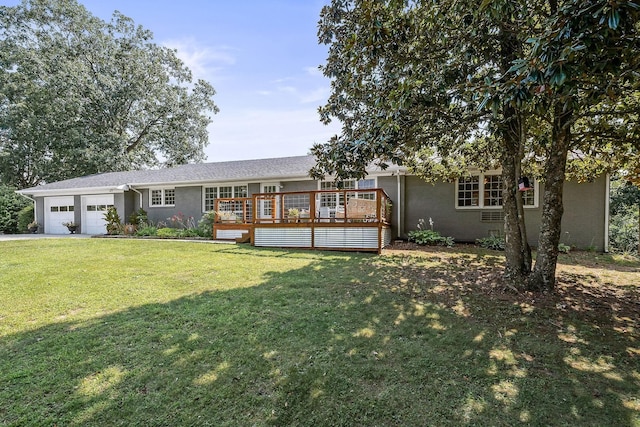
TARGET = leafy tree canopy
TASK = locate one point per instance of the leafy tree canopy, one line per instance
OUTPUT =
(80, 96)
(543, 87)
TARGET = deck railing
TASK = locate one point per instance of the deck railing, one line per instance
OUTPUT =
(323, 219)
(234, 211)
(371, 205)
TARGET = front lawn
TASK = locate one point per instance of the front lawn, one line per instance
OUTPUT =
(129, 332)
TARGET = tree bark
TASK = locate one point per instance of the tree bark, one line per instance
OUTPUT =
(512, 131)
(517, 249)
(543, 277)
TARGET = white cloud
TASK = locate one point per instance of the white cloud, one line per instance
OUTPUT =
(317, 95)
(254, 134)
(313, 71)
(203, 61)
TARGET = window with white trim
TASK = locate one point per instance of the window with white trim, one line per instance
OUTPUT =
(162, 197)
(210, 194)
(485, 191)
(330, 199)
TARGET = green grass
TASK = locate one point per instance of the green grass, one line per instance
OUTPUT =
(128, 332)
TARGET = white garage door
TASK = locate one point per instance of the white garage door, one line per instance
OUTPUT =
(93, 210)
(58, 210)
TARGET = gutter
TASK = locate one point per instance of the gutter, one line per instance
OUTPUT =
(127, 187)
(35, 205)
(399, 207)
(607, 199)
(139, 193)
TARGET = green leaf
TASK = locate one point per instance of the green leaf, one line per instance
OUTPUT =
(614, 19)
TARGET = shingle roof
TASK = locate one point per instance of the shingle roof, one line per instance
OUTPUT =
(240, 170)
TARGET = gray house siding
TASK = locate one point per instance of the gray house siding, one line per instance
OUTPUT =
(188, 202)
(40, 213)
(582, 224)
(584, 214)
(390, 186)
(307, 185)
(253, 188)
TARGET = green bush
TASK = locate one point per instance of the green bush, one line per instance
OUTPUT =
(25, 217)
(564, 248)
(167, 232)
(492, 242)
(139, 218)
(430, 237)
(148, 230)
(114, 225)
(189, 232)
(205, 225)
(10, 205)
(623, 230)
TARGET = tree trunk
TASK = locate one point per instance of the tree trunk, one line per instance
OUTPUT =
(543, 277)
(517, 250)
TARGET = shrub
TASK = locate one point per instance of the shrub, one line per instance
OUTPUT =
(623, 230)
(139, 218)
(25, 217)
(205, 225)
(424, 236)
(10, 204)
(167, 232)
(429, 237)
(492, 242)
(148, 230)
(114, 225)
(563, 248)
(189, 232)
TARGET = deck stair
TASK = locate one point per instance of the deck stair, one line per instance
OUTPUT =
(245, 238)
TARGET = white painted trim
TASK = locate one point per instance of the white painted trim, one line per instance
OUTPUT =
(71, 192)
(217, 187)
(481, 205)
(374, 178)
(163, 189)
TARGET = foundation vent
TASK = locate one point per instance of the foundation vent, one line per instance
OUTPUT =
(492, 216)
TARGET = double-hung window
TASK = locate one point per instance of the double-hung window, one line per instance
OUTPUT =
(484, 190)
(162, 197)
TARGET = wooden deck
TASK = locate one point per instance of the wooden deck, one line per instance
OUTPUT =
(346, 220)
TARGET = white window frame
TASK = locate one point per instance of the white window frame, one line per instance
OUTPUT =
(163, 191)
(357, 181)
(326, 198)
(217, 192)
(481, 191)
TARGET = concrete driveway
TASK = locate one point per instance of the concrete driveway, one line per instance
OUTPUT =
(42, 236)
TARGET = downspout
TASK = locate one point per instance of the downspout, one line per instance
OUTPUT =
(399, 210)
(35, 206)
(127, 187)
(606, 212)
(139, 193)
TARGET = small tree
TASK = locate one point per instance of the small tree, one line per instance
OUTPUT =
(114, 225)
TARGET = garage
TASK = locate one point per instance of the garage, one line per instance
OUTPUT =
(93, 210)
(58, 210)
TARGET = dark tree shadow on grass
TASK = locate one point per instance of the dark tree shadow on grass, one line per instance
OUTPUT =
(360, 340)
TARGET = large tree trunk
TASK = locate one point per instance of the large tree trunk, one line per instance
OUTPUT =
(517, 250)
(543, 277)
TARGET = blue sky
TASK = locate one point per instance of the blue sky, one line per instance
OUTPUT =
(262, 58)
